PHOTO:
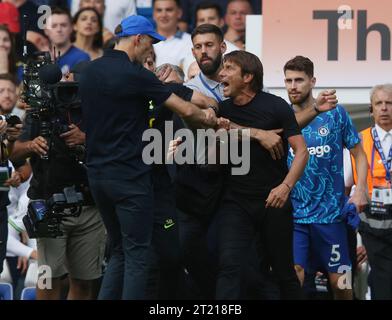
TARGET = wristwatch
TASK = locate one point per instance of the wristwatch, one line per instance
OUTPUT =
(216, 110)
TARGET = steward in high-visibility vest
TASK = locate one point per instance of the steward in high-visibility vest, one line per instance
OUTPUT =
(376, 222)
(376, 170)
(380, 225)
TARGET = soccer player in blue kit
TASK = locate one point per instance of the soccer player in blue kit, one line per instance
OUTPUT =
(320, 231)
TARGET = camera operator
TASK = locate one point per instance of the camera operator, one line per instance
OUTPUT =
(78, 252)
(8, 135)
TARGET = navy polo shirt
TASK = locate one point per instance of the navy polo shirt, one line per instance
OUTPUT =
(115, 95)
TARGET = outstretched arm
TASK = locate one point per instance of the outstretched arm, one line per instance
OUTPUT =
(202, 101)
(325, 101)
(194, 116)
(271, 139)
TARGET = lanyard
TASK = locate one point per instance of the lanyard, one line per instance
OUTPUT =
(386, 162)
(209, 88)
(3, 155)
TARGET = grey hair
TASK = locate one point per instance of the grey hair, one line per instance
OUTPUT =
(380, 87)
(176, 69)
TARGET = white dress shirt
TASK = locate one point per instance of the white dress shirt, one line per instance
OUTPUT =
(174, 49)
(115, 12)
(385, 139)
(386, 142)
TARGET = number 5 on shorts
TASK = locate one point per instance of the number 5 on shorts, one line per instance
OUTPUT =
(335, 254)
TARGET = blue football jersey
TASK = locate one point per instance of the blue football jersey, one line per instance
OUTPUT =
(318, 197)
(70, 58)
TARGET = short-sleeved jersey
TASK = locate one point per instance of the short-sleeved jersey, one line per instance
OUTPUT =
(318, 197)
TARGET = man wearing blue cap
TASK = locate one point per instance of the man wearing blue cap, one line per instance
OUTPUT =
(115, 91)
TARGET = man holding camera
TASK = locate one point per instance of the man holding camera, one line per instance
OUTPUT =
(78, 252)
(9, 132)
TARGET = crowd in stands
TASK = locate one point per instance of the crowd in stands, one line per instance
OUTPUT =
(80, 30)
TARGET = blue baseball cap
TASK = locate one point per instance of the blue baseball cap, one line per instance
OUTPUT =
(134, 25)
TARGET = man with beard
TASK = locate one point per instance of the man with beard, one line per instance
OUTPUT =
(320, 230)
(256, 205)
(164, 259)
(198, 188)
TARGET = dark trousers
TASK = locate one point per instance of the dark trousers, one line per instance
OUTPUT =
(196, 255)
(164, 257)
(126, 207)
(379, 251)
(242, 219)
(199, 247)
(14, 271)
(3, 235)
(259, 282)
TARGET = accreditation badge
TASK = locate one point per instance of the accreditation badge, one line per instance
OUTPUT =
(381, 201)
(387, 196)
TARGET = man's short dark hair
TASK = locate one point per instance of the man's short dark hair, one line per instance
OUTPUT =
(85, 0)
(204, 5)
(230, 1)
(178, 3)
(9, 77)
(60, 10)
(208, 28)
(300, 63)
(250, 4)
(249, 64)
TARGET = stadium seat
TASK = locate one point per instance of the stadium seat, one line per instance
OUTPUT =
(28, 294)
(6, 291)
